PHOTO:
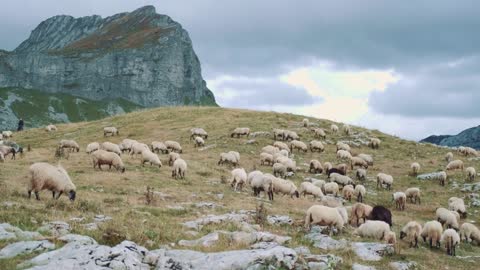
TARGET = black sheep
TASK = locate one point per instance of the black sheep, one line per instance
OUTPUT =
(381, 213)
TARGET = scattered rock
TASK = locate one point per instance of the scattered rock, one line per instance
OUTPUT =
(357, 266)
(206, 241)
(279, 220)
(428, 176)
(207, 147)
(176, 207)
(25, 247)
(101, 218)
(56, 228)
(81, 239)
(77, 219)
(403, 265)
(372, 251)
(9, 232)
(252, 141)
(207, 205)
(322, 262)
(323, 241)
(215, 219)
(302, 250)
(475, 187)
(220, 196)
(264, 245)
(9, 204)
(238, 237)
(260, 133)
(162, 196)
(90, 226)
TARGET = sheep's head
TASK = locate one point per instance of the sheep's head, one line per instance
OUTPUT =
(296, 194)
(402, 235)
(71, 195)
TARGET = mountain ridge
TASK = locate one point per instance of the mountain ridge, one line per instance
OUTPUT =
(468, 137)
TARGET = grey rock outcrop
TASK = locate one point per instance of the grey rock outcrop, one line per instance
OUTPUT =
(141, 56)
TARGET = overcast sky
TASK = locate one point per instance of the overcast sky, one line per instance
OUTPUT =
(409, 68)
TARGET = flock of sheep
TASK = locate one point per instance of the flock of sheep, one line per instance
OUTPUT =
(371, 221)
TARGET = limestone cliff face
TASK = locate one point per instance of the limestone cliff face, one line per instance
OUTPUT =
(141, 56)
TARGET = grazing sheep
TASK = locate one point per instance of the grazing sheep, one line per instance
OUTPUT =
(360, 192)
(53, 178)
(432, 232)
(449, 157)
(179, 169)
(415, 167)
(324, 216)
(50, 128)
(390, 238)
(137, 148)
(336, 170)
(6, 150)
(316, 146)
(413, 194)
(173, 146)
(306, 122)
(373, 229)
(319, 183)
(400, 199)
(278, 134)
(315, 166)
(374, 143)
(334, 128)
(450, 240)
(228, 158)
(284, 153)
(289, 163)
(384, 179)
(381, 213)
(150, 157)
(327, 166)
(441, 177)
(236, 155)
(7, 134)
(360, 211)
(262, 182)
(199, 141)
(348, 192)
(240, 132)
(102, 157)
(471, 173)
(341, 179)
(158, 147)
(361, 174)
(457, 205)
(469, 151)
(92, 147)
(69, 144)
(272, 150)
(286, 187)
(110, 131)
(411, 232)
(172, 156)
(357, 161)
(469, 233)
(281, 145)
(343, 146)
(126, 145)
(347, 130)
(455, 165)
(239, 178)
(266, 159)
(290, 135)
(299, 145)
(344, 155)
(331, 188)
(307, 188)
(111, 147)
(200, 132)
(252, 175)
(279, 170)
(447, 218)
(331, 201)
(367, 158)
(320, 133)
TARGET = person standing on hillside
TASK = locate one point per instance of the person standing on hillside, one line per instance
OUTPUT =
(20, 125)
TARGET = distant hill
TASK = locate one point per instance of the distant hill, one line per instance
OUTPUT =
(469, 137)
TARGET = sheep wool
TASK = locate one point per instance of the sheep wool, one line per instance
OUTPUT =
(92, 147)
(413, 194)
(110, 131)
(469, 233)
(447, 218)
(324, 216)
(471, 173)
(360, 192)
(279, 170)
(240, 132)
(307, 188)
(432, 232)
(373, 229)
(102, 157)
(315, 166)
(415, 167)
(400, 199)
(411, 233)
(384, 180)
(454, 165)
(266, 159)
(179, 168)
(150, 157)
(316, 146)
(239, 178)
(111, 147)
(54, 178)
(450, 239)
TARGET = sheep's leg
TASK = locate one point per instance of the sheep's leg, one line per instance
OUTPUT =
(431, 243)
(37, 196)
(53, 194)
(59, 194)
(29, 194)
(416, 242)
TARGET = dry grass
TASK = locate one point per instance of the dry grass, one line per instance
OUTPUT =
(123, 196)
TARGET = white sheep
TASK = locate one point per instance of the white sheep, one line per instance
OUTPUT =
(374, 143)
(102, 157)
(346, 129)
(343, 146)
(285, 187)
(375, 229)
(173, 146)
(92, 147)
(126, 145)
(327, 166)
(200, 132)
(69, 144)
(341, 179)
(262, 182)
(432, 232)
(266, 159)
(441, 177)
(281, 145)
(331, 188)
(411, 232)
(320, 133)
(348, 192)
(252, 175)
(469, 151)
(240, 132)
(470, 233)
(331, 201)
(54, 178)
(278, 134)
(360, 192)
(236, 155)
(279, 170)
(457, 204)
(227, 158)
(272, 150)
(324, 216)
(454, 165)
(358, 161)
(413, 194)
(137, 148)
(150, 157)
(384, 179)
(447, 218)
(449, 157)
(290, 135)
(344, 155)
(50, 128)
(471, 173)
(289, 163)
(315, 166)
(172, 156)
(111, 147)
(284, 153)
(400, 199)
(299, 145)
(7, 134)
(361, 174)
(450, 240)
(239, 178)
(199, 141)
(159, 147)
(360, 211)
(179, 168)
(305, 122)
(307, 188)
(367, 158)
(415, 167)
(319, 183)
(334, 128)
(317, 146)
(110, 131)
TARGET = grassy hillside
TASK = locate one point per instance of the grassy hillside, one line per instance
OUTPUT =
(121, 196)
